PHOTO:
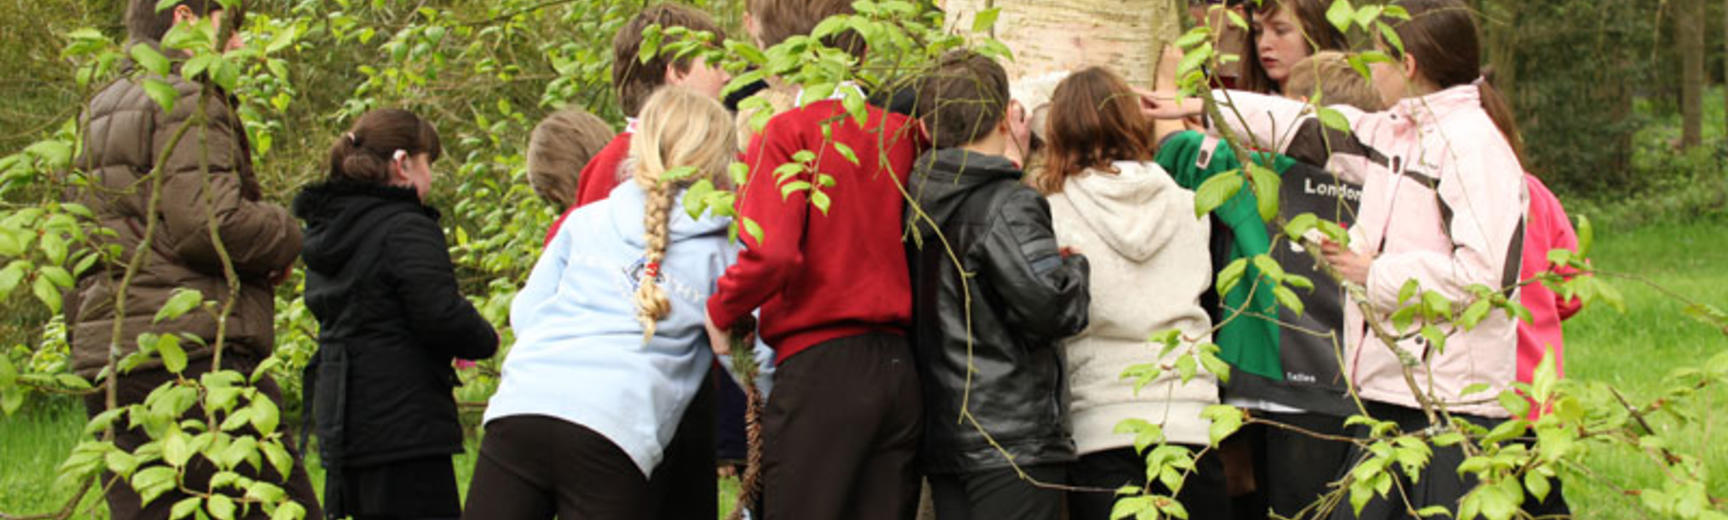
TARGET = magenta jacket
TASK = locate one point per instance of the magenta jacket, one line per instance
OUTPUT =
(1443, 203)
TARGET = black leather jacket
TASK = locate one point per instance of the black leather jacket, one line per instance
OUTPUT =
(1024, 296)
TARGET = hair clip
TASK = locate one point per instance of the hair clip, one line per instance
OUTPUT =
(352, 141)
(652, 270)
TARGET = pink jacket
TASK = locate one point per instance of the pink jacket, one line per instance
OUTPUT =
(1443, 203)
(1548, 229)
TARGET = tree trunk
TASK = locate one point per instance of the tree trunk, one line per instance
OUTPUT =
(1725, 68)
(1689, 30)
(1502, 33)
(1058, 35)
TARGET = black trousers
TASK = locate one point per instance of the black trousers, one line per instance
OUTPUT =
(683, 485)
(999, 494)
(1440, 483)
(415, 489)
(841, 430)
(1291, 470)
(537, 467)
(1203, 493)
(132, 388)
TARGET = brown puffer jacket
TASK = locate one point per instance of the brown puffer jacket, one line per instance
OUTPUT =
(125, 134)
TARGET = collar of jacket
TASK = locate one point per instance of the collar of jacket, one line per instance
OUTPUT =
(958, 165)
(342, 187)
(1416, 112)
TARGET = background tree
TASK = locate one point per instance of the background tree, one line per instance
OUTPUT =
(1057, 35)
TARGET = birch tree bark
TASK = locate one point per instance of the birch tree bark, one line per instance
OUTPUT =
(1058, 35)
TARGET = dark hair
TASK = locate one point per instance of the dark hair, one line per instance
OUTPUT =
(1441, 35)
(634, 80)
(144, 22)
(1320, 34)
(1095, 119)
(778, 20)
(963, 98)
(364, 153)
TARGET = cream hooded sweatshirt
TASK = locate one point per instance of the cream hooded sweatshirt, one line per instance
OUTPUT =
(1150, 263)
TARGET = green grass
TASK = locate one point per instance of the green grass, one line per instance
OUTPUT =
(1633, 351)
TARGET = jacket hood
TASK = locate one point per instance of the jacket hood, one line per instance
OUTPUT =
(941, 179)
(340, 215)
(1131, 210)
(626, 204)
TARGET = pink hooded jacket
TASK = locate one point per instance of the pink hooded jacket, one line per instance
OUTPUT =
(1549, 229)
(1443, 204)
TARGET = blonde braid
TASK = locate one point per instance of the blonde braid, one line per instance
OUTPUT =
(651, 302)
(678, 128)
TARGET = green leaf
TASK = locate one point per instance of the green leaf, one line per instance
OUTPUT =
(185, 507)
(162, 93)
(1288, 299)
(678, 174)
(846, 151)
(265, 415)
(1332, 119)
(1340, 14)
(1225, 419)
(279, 458)
(47, 293)
(1193, 37)
(1194, 58)
(1215, 191)
(173, 357)
(289, 511)
(752, 229)
(1266, 185)
(221, 507)
(820, 201)
(149, 59)
(786, 190)
(1473, 388)
(1586, 236)
(10, 277)
(985, 20)
(152, 482)
(179, 303)
(1299, 226)
(1231, 275)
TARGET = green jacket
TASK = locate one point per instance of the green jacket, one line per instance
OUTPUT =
(1249, 342)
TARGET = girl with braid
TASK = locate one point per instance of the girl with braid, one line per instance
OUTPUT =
(610, 348)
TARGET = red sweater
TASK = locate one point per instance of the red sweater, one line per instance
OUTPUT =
(1546, 228)
(597, 179)
(820, 277)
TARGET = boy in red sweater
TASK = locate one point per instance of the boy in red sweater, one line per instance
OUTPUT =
(634, 80)
(843, 422)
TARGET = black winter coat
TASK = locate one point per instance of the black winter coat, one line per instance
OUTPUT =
(380, 282)
(1024, 297)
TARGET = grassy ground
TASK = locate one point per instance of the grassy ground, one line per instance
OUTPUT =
(1633, 351)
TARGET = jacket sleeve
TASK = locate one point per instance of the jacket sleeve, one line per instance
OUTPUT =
(1485, 206)
(425, 285)
(762, 267)
(259, 237)
(1043, 293)
(1561, 235)
(1267, 122)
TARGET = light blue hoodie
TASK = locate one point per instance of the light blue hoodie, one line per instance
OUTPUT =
(579, 354)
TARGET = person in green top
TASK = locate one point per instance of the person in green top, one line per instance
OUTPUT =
(1286, 367)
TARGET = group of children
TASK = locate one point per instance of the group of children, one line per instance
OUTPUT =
(964, 308)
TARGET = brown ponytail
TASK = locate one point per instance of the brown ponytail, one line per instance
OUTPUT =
(1442, 36)
(363, 154)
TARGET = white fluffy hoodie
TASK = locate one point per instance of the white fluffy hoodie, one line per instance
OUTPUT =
(1150, 263)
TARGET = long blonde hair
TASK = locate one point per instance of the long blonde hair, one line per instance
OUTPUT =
(678, 128)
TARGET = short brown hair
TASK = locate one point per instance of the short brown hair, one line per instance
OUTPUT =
(963, 98)
(144, 22)
(1095, 119)
(635, 80)
(1339, 83)
(558, 149)
(779, 20)
(364, 153)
